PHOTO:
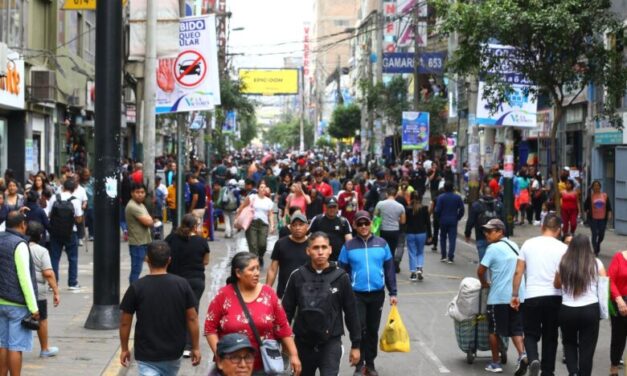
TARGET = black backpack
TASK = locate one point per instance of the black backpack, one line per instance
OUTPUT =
(488, 212)
(315, 305)
(62, 218)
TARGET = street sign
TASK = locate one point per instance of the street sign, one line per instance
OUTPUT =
(190, 82)
(83, 4)
(403, 62)
(190, 68)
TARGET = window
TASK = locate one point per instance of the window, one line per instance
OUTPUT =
(89, 37)
(341, 23)
(61, 25)
(72, 32)
(11, 22)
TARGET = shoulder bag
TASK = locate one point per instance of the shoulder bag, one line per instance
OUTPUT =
(270, 349)
(245, 217)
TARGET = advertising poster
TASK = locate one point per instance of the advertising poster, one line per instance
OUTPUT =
(415, 135)
(12, 86)
(190, 82)
(230, 122)
(269, 81)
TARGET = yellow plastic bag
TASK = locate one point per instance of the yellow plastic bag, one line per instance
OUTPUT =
(394, 337)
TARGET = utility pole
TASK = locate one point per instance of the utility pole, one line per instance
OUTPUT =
(340, 99)
(105, 311)
(378, 131)
(181, 119)
(302, 109)
(416, 58)
(150, 90)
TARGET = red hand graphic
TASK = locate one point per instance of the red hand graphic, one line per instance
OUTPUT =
(165, 75)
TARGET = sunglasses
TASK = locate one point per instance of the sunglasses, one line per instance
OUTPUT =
(236, 359)
(362, 224)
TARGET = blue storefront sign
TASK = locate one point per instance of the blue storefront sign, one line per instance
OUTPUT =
(403, 62)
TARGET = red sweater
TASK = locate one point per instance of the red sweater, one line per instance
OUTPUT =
(225, 316)
(618, 276)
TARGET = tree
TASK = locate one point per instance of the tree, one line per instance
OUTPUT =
(345, 120)
(286, 133)
(560, 48)
(233, 100)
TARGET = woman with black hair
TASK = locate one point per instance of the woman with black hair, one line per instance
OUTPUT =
(225, 314)
(190, 256)
(598, 210)
(36, 213)
(579, 315)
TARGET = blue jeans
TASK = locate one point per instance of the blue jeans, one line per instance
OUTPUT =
(162, 368)
(482, 246)
(138, 253)
(597, 228)
(448, 231)
(89, 221)
(71, 248)
(416, 250)
(13, 336)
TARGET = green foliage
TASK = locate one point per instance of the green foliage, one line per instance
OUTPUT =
(560, 44)
(395, 100)
(286, 133)
(345, 121)
(232, 99)
(325, 143)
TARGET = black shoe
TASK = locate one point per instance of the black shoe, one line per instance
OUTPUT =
(420, 277)
(359, 370)
(370, 371)
(397, 267)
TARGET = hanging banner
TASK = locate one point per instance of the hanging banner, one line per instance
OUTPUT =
(12, 85)
(415, 134)
(190, 82)
(230, 122)
(520, 109)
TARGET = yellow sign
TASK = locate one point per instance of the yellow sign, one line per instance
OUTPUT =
(269, 81)
(83, 4)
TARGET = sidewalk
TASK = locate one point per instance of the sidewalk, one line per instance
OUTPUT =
(95, 352)
(611, 244)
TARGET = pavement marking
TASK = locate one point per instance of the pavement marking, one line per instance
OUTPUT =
(431, 355)
(114, 368)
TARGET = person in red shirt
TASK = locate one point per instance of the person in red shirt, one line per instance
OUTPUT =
(321, 186)
(617, 272)
(494, 185)
(350, 201)
(225, 314)
(570, 208)
(138, 174)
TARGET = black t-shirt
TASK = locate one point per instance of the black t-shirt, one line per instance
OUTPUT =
(336, 228)
(187, 256)
(199, 189)
(435, 181)
(160, 303)
(291, 256)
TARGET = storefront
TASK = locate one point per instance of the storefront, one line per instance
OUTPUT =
(12, 117)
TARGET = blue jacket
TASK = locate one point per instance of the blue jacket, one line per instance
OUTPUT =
(449, 208)
(369, 264)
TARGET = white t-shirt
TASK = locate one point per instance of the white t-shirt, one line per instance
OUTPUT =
(542, 256)
(76, 202)
(590, 296)
(263, 207)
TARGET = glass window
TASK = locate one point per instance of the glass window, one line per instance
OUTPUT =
(11, 25)
(72, 32)
(89, 37)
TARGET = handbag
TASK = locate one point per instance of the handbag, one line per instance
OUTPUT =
(269, 349)
(603, 292)
(245, 217)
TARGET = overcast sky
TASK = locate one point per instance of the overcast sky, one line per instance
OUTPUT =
(267, 23)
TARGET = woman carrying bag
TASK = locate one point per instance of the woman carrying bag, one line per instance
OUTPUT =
(258, 206)
(226, 315)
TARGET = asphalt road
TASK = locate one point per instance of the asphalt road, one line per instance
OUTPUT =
(434, 349)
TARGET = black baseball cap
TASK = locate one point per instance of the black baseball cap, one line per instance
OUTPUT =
(331, 201)
(233, 342)
(362, 214)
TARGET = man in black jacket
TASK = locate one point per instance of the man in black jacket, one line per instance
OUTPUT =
(321, 291)
(481, 212)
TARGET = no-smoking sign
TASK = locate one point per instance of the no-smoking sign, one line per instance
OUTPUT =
(190, 68)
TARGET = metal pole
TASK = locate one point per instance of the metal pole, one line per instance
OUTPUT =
(105, 312)
(416, 60)
(302, 110)
(180, 171)
(508, 192)
(150, 90)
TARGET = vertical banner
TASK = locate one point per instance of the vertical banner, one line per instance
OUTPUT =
(390, 26)
(190, 82)
(415, 134)
(230, 122)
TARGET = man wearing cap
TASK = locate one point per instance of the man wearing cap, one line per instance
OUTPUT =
(235, 356)
(320, 185)
(334, 225)
(368, 261)
(503, 321)
(289, 253)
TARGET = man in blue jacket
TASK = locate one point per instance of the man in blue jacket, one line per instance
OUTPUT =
(368, 261)
(449, 209)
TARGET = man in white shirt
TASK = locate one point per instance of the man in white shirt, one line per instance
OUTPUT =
(59, 241)
(538, 261)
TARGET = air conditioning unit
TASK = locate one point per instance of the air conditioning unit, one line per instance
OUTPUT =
(73, 101)
(42, 85)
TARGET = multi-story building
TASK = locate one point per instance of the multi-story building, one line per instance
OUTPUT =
(330, 51)
(52, 125)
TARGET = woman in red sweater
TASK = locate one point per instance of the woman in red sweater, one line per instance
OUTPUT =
(350, 201)
(225, 314)
(618, 293)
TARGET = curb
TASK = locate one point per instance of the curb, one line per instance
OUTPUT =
(114, 368)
